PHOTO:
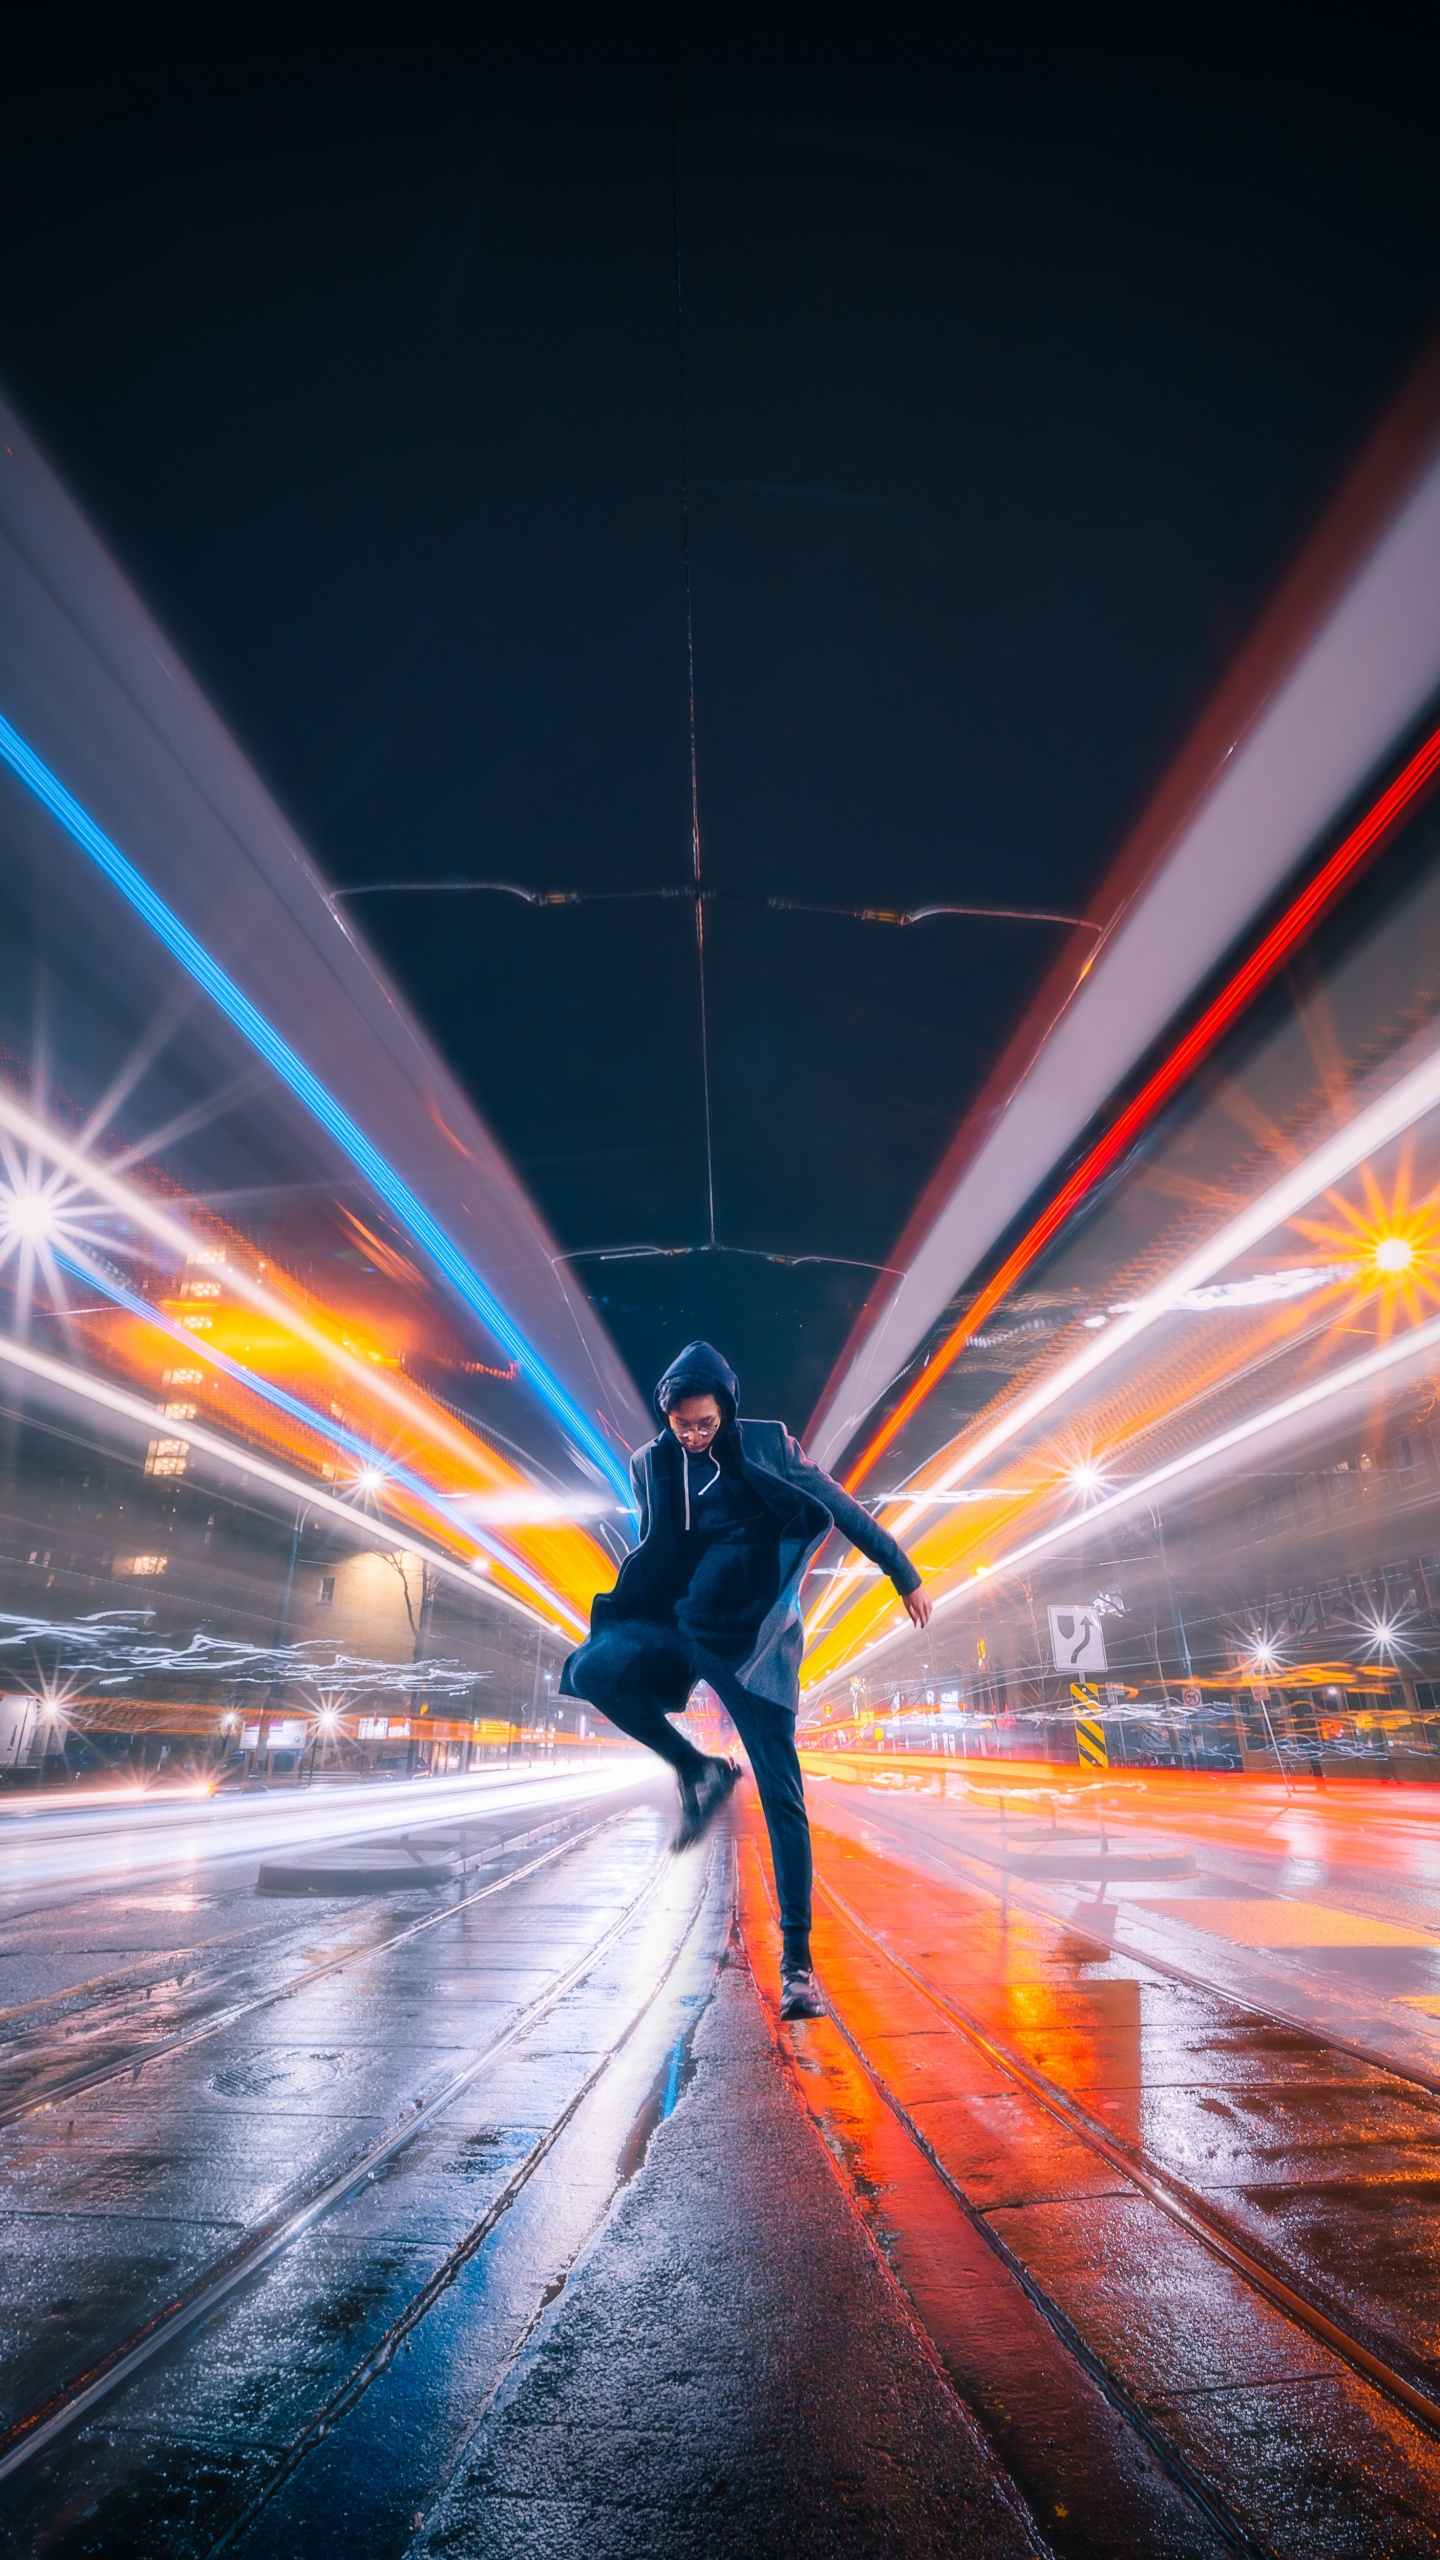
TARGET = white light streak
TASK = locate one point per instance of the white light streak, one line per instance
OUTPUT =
(525, 1508)
(169, 1828)
(1356, 1373)
(1265, 1288)
(1387, 1117)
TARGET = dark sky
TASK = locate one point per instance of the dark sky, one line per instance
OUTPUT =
(1014, 373)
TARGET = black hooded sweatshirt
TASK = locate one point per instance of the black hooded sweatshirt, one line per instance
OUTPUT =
(725, 1540)
(727, 1566)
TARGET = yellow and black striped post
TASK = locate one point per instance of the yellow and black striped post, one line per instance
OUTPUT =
(1089, 1730)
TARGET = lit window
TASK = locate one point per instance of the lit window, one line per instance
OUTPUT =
(183, 1378)
(1409, 1456)
(327, 1590)
(201, 1289)
(167, 1457)
(126, 1565)
(197, 1324)
(179, 1412)
(1341, 1481)
(205, 1253)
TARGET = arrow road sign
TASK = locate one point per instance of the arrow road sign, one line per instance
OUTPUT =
(1077, 1640)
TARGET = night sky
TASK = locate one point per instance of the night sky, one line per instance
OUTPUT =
(1013, 376)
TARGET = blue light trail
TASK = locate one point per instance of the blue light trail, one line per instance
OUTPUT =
(318, 1100)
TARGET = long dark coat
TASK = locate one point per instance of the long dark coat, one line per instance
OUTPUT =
(806, 1502)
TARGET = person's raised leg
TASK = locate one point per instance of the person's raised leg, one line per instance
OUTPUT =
(638, 1677)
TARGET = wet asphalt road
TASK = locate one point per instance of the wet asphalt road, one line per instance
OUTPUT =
(1111, 2094)
(503, 2216)
(731, 2373)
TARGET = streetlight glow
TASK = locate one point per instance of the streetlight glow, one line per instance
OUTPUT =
(1394, 1254)
(30, 1216)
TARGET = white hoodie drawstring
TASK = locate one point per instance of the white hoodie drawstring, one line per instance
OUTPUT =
(704, 1489)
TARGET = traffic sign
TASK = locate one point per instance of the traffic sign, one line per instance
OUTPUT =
(1077, 1639)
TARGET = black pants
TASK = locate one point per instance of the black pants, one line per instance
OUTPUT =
(640, 1675)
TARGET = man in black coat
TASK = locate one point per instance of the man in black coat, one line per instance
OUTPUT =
(731, 1515)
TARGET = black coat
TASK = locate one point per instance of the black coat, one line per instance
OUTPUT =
(806, 1502)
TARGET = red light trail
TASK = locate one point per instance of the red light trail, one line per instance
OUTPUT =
(1269, 955)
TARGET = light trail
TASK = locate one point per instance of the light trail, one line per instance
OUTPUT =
(1357, 1373)
(1388, 1117)
(181, 1243)
(387, 1468)
(239, 1009)
(116, 1840)
(1269, 955)
(132, 1408)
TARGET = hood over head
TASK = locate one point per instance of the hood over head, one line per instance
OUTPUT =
(698, 1370)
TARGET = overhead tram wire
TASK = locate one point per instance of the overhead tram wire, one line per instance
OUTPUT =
(703, 896)
(697, 890)
(690, 633)
(707, 897)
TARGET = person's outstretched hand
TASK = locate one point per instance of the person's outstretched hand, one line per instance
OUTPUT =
(918, 1605)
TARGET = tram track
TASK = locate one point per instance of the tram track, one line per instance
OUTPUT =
(1016, 2447)
(963, 1867)
(155, 2049)
(347, 2394)
(98, 2002)
(1418, 2392)
(1100, 2327)
(1131, 2161)
(265, 2241)
(403, 1816)
(1167, 2453)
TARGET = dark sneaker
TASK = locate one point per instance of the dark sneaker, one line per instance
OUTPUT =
(700, 1803)
(800, 1996)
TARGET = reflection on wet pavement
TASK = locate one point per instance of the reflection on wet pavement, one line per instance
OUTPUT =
(1000, 2017)
(1098, 2216)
